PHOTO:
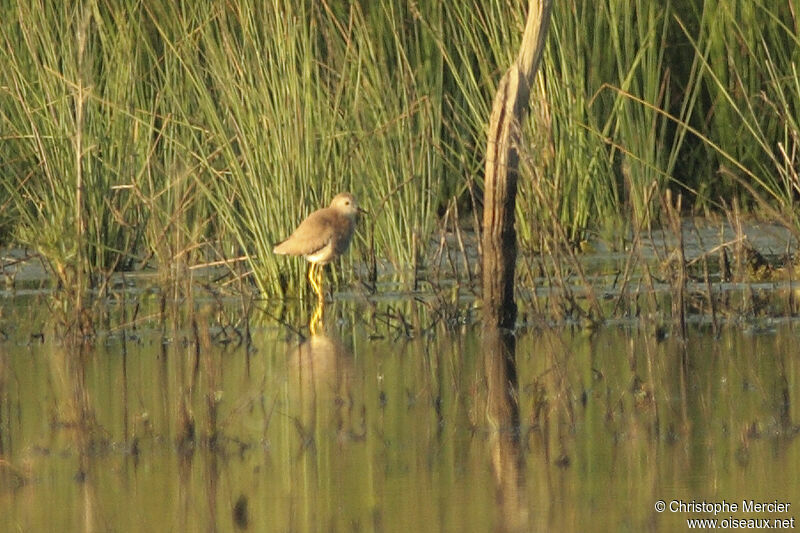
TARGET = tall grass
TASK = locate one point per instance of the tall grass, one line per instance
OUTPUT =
(283, 115)
(614, 116)
(568, 174)
(171, 133)
(241, 84)
(749, 53)
(74, 131)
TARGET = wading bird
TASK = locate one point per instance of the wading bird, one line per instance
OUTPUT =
(323, 236)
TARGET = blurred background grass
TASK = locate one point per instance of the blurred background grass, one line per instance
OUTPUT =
(170, 134)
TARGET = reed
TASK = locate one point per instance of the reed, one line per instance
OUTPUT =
(749, 52)
(75, 134)
(283, 116)
(170, 135)
(610, 119)
(567, 169)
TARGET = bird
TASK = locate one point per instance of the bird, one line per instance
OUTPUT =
(323, 236)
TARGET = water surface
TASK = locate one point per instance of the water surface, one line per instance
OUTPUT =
(376, 426)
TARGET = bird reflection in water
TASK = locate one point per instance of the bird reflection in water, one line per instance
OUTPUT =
(320, 390)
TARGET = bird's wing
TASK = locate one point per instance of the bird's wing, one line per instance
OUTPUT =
(313, 234)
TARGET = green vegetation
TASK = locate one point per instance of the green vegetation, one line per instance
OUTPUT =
(172, 134)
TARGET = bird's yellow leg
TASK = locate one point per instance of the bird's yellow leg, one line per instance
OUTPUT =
(312, 278)
(320, 293)
(315, 278)
(316, 319)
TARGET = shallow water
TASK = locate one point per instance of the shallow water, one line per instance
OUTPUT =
(368, 428)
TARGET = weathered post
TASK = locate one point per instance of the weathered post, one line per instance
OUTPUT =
(500, 191)
(499, 256)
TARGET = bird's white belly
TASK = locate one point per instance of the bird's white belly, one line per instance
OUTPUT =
(321, 256)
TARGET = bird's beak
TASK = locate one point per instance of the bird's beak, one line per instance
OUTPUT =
(363, 211)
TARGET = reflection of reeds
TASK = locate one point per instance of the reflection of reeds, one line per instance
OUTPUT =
(75, 414)
(12, 476)
(323, 441)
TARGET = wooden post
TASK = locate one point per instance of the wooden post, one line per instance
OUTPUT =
(499, 240)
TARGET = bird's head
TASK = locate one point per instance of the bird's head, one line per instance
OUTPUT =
(346, 204)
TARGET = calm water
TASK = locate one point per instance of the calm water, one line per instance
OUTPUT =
(368, 429)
